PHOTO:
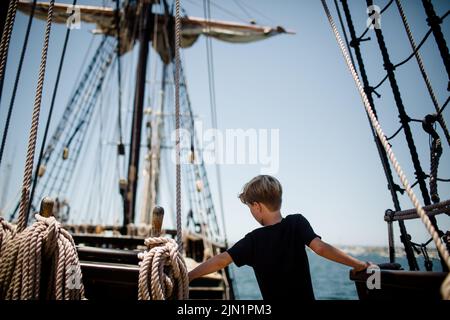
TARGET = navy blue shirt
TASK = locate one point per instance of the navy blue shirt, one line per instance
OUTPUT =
(277, 255)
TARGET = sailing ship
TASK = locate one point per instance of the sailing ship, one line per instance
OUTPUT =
(109, 253)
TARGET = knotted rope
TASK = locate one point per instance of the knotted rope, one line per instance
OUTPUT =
(44, 249)
(445, 290)
(163, 273)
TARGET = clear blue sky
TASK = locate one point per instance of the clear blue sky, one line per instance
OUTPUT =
(298, 84)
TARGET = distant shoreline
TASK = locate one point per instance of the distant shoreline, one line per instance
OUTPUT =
(383, 251)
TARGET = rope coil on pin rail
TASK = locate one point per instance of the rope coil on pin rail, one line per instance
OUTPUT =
(43, 250)
(41, 262)
(162, 273)
(445, 289)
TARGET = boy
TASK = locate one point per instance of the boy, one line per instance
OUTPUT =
(277, 250)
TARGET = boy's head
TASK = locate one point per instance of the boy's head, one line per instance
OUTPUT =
(263, 195)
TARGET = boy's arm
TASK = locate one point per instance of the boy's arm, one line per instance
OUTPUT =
(329, 252)
(211, 265)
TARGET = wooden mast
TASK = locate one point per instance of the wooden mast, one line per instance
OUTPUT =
(144, 26)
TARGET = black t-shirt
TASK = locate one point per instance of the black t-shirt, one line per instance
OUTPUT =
(278, 257)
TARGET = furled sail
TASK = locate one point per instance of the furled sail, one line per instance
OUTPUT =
(191, 27)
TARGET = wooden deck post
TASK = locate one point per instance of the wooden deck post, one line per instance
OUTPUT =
(46, 209)
(157, 220)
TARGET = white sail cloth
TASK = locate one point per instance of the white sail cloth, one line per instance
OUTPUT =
(191, 27)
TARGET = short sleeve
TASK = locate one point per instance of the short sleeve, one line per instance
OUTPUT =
(307, 233)
(242, 251)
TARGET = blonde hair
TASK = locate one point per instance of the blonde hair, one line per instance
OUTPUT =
(265, 189)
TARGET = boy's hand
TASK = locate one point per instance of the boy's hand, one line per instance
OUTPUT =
(361, 266)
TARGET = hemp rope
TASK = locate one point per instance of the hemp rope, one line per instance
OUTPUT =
(7, 231)
(177, 122)
(425, 77)
(6, 39)
(44, 243)
(163, 273)
(445, 290)
(28, 172)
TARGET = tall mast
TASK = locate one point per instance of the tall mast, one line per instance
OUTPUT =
(144, 27)
(154, 155)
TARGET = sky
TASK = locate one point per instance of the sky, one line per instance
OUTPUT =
(298, 84)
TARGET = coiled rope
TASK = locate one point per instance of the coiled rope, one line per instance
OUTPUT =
(43, 250)
(44, 243)
(163, 274)
(7, 231)
(445, 290)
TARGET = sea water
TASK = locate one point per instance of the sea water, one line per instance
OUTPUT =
(330, 280)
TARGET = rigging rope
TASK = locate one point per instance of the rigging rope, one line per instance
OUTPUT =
(392, 186)
(6, 38)
(338, 10)
(50, 114)
(177, 122)
(23, 213)
(360, 38)
(420, 211)
(404, 120)
(413, 54)
(16, 81)
(434, 22)
(422, 70)
(162, 273)
(212, 98)
(44, 248)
